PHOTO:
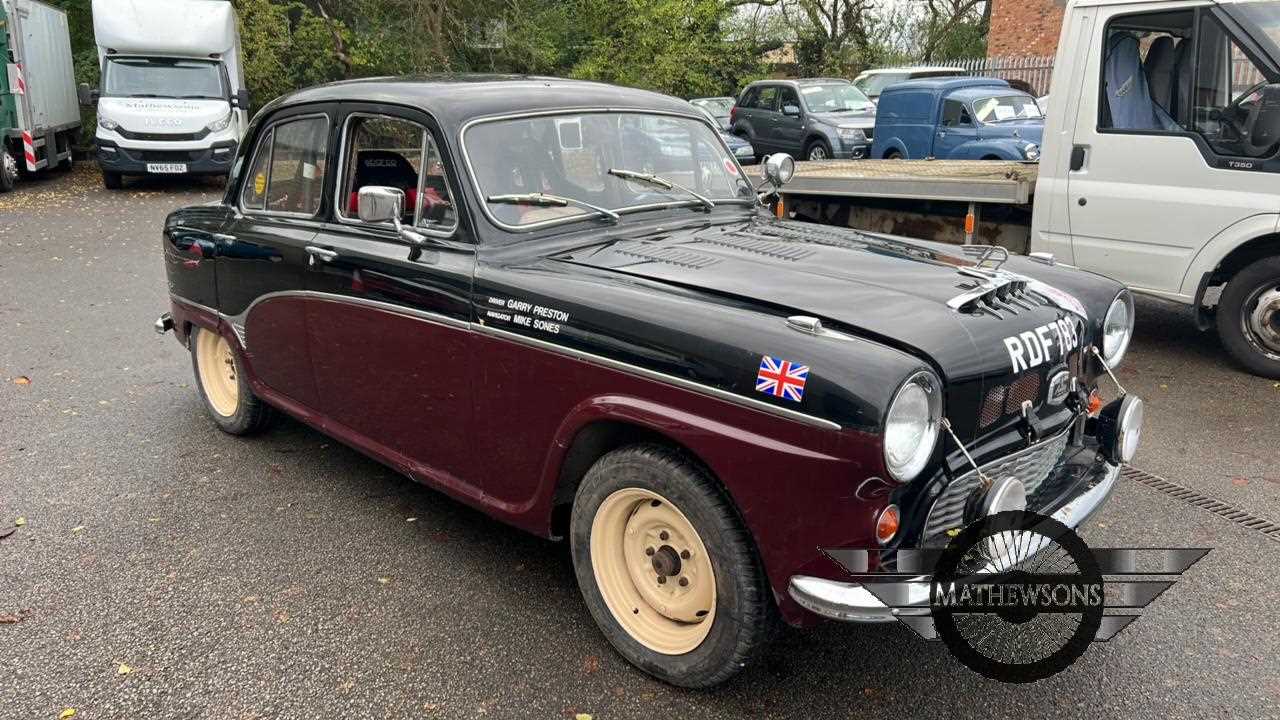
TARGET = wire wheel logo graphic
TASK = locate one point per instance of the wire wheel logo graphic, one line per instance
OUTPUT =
(1017, 597)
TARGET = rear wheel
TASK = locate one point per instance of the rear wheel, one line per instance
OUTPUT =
(893, 155)
(1249, 317)
(112, 180)
(666, 568)
(221, 380)
(8, 171)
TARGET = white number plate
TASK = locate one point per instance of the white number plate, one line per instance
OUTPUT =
(167, 168)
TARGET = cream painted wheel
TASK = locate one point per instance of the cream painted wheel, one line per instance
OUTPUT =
(217, 367)
(653, 571)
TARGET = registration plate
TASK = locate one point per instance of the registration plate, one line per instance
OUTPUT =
(167, 168)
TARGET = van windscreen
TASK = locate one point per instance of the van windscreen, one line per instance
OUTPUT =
(165, 78)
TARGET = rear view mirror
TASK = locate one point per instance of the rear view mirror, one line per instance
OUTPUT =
(241, 99)
(791, 110)
(379, 204)
(87, 97)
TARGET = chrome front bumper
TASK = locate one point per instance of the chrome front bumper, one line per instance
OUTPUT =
(851, 602)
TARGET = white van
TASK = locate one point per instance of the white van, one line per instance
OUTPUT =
(172, 98)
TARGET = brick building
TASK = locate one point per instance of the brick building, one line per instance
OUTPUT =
(1024, 28)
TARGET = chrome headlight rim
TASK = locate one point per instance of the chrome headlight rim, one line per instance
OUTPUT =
(1031, 151)
(920, 456)
(1113, 351)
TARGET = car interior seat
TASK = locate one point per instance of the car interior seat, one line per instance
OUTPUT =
(1160, 70)
(1183, 69)
(1129, 105)
(387, 168)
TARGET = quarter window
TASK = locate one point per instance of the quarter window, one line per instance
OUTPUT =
(397, 153)
(287, 174)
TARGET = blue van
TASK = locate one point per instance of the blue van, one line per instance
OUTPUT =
(957, 118)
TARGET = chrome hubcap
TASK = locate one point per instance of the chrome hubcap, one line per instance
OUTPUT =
(817, 153)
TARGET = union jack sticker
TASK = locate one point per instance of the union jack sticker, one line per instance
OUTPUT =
(782, 378)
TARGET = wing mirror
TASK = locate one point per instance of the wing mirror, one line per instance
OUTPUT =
(87, 96)
(791, 110)
(381, 204)
(241, 99)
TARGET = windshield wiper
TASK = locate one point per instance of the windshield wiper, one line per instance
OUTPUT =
(663, 183)
(544, 200)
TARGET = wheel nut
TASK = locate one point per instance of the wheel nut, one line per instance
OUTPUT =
(684, 554)
(649, 551)
(662, 579)
(663, 535)
(684, 582)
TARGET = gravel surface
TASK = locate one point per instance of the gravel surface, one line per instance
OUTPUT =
(166, 570)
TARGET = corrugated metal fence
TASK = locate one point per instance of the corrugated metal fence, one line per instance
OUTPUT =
(1034, 71)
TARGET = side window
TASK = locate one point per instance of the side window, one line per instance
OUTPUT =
(767, 98)
(1147, 67)
(287, 173)
(749, 98)
(393, 152)
(787, 96)
(254, 194)
(954, 114)
(1227, 104)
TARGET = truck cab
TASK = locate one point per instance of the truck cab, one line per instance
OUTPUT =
(959, 119)
(172, 98)
(1161, 163)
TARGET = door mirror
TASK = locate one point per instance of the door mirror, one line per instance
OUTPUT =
(241, 99)
(380, 204)
(87, 96)
(791, 110)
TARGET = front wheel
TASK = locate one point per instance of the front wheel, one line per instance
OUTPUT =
(8, 171)
(223, 387)
(817, 150)
(1249, 317)
(666, 568)
(112, 180)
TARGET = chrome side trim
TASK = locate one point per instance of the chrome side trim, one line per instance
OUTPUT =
(679, 382)
(423, 315)
(852, 602)
(192, 303)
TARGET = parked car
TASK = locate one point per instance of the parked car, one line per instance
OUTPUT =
(717, 107)
(873, 82)
(582, 322)
(957, 118)
(740, 148)
(812, 119)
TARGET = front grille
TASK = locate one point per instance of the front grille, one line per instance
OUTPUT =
(1032, 466)
(163, 137)
(168, 155)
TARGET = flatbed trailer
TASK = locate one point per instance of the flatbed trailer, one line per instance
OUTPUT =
(963, 201)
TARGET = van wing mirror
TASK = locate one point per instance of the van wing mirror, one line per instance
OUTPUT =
(241, 99)
(86, 95)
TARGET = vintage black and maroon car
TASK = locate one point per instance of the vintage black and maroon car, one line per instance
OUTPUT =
(562, 302)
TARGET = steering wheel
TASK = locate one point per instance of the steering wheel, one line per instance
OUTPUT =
(1232, 112)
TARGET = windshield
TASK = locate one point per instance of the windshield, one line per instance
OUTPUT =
(152, 77)
(570, 156)
(833, 98)
(1006, 107)
(875, 84)
(1265, 17)
(718, 107)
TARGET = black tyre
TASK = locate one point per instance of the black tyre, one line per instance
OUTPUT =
(8, 171)
(893, 155)
(817, 150)
(112, 180)
(667, 569)
(1249, 317)
(221, 382)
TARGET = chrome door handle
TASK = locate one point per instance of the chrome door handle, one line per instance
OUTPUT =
(323, 253)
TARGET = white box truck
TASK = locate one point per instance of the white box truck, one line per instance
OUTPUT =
(172, 98)
(1160, 166)
(39, 118)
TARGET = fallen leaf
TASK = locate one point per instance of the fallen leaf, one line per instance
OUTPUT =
(22, 380)
(20, 522)
(124, 669)
(69, 712)
(7, 619)
(591, 664)
(384, 580)
(582, 716)
(1239, 481)
(412, 519)
(77, 528)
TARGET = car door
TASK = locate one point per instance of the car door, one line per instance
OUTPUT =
(764, 116)
(390, 319)
(955, 128)
(788, 129)
(262, 251)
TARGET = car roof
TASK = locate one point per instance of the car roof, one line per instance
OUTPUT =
(914, 69)
(944, 84)
(799, 81)
(455, 99)
(711, 97)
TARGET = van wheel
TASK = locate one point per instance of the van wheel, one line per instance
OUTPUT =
(893, 155)
(223, 388)
(112, 180)
(8, 171)
(1249, 317)
(666, 568)
(817, 150)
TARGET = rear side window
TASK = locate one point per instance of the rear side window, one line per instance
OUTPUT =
(287, 173)
(767, 98)
(398, 153)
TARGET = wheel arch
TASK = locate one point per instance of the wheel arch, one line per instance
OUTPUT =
(1235, 247)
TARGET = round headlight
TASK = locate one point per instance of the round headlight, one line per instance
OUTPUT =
(1117, 329)
(1129, 429)
(779, 168)
(911, 426)
(1031, 151)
